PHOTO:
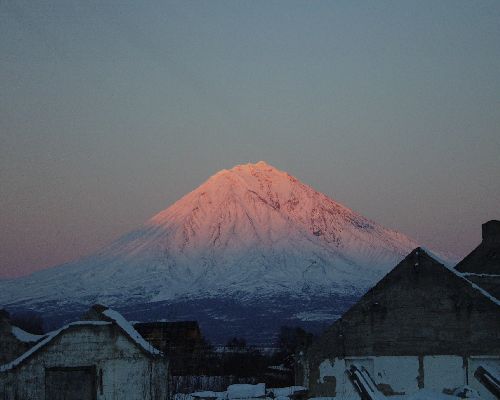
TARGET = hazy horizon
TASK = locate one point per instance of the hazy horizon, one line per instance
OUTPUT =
(110, 113)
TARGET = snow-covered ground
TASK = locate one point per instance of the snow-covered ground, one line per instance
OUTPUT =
(259, 391)
(426, 394)
(246, 391)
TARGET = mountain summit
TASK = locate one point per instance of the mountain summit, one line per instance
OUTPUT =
(247, 234)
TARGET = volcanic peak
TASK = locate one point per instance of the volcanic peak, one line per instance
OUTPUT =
(251, 230)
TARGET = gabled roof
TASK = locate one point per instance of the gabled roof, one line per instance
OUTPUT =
(48, 339)
(482, 265)
(20, 334)
(129, 330)
(485, 258)
(473, 285)
(109, 317)
(421, 305)
(98, 312)
(462, 278)
(24, 336)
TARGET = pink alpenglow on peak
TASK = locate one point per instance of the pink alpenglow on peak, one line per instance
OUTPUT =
(251, 230)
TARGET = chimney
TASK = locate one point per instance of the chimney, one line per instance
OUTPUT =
(491, 231)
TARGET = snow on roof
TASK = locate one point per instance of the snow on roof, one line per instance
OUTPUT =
(439, 259)
(120, 320)
(481, 274)
(474, 286)
(247, 391)
(49, 337)
(461, 276)
(24, 336)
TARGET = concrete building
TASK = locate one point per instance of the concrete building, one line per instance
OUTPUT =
(423, 326)
(172, 336)
(102, 357)
(182, 341)
(482, 265)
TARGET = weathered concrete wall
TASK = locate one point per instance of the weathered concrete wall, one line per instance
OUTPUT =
(415, 310)
(122, 370)
(399, 374)
(419, 309)
(490, 283)
(485, 258)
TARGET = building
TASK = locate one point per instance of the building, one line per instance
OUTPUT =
(423, 326)
(182, 341)
(482, 265)
(170, 336)
(101, 357)
(14, 341)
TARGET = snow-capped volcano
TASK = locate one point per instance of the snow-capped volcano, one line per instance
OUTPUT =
(251, 232)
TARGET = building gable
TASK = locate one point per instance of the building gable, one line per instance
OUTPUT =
(119, 325)
(13, 340)
(97, 352)
(485, 258)
(420, 307)
(482, 265)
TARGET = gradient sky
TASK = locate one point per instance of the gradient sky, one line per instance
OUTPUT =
(110, 111)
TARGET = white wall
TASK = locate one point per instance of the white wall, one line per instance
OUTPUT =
(328, 368)
(444, 372)
(401, 373)
(127, 372)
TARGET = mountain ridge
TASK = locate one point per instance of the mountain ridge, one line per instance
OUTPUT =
(248, 233)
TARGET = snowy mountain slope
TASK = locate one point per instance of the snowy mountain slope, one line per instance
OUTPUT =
(249, 232)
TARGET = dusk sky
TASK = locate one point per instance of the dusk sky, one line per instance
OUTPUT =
(111, 111)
